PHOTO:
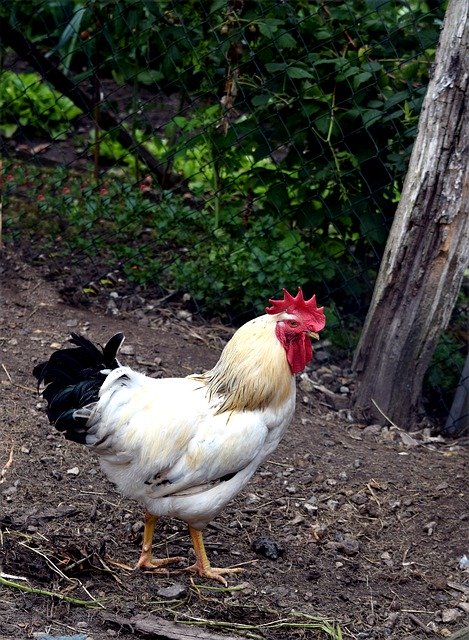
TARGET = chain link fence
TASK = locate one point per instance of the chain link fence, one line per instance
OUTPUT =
(217, 152)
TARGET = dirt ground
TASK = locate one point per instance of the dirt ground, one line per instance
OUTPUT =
(370, 524)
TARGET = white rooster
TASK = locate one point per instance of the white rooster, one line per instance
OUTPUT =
(184, 447)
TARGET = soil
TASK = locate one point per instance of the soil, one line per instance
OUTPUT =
(348, 525)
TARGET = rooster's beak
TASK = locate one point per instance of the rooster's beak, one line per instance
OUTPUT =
(313, 334)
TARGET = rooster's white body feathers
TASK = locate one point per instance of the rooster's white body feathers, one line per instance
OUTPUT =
(162, 442)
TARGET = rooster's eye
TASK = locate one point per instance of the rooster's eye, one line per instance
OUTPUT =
(293, 323)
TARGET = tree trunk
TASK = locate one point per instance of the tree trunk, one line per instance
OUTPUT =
(428, 245)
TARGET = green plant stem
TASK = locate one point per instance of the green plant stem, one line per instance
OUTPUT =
(52, 594)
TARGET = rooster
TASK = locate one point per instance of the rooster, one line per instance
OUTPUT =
(184, 447)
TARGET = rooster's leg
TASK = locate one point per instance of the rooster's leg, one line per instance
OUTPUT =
(146, 559)
(202, 564)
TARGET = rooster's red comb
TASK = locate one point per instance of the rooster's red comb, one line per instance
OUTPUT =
(301, 306)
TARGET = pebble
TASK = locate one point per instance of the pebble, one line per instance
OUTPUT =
(310, 508)
(127, 350)
(111, 308)
(332, 505)
(387, 559)
(373, 430)
(349, 546)
(173, 592)
(182, 314)
(74, 471)
(450, 615)
(267, 547)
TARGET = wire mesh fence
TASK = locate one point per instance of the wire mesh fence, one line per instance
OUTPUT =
(217, 151)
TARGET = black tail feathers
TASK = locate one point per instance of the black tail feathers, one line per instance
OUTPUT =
(72, 379)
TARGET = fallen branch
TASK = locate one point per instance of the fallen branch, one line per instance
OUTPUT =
(190, 629)
(164, 629)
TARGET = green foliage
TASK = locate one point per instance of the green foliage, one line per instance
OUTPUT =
(294, 131)
(28, 102)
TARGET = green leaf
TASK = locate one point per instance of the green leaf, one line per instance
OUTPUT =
(286, 41)
(260, 99)
(8, 129)
(372, 67)
(360, 78)
(149, 76)
(272, 67)
(70, 30)
(298, 73)
(370, 116)
(269, 26)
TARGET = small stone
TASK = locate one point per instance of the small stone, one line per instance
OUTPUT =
(137, 526)
(387, 559)
(55, 345)
(407, 440)
(74, 471)
(267, 547)
(111, 308)
(430, 527)
(182, 314)
(372, 430)
(173, 592)
(450, 615)
(127, 350)
(349, 546)
(25, 449)
(332, 505)
(463, 562)
(344, 389)
(359, 498)
(72, 323)
(310, 508)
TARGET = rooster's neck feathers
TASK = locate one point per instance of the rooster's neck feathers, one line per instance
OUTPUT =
(252, 372)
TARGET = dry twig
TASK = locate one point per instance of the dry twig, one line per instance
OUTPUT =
(6, 466)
